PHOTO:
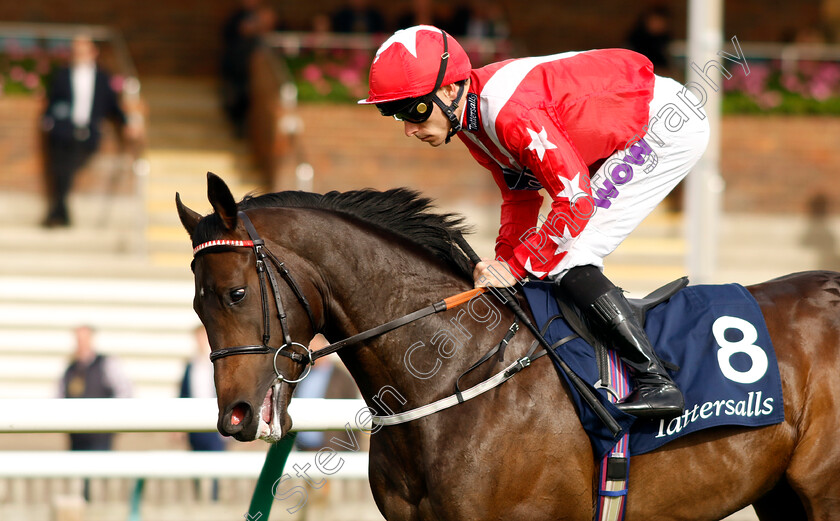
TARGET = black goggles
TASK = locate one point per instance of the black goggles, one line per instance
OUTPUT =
(414, 110)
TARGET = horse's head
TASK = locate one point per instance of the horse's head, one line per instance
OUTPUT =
(241, 293)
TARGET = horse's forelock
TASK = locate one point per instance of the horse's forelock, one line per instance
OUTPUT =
(209, 228)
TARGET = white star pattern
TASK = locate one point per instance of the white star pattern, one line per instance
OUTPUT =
(406, 37)
(561, 240)
(539, 142)
(572, 188)
(531, 270)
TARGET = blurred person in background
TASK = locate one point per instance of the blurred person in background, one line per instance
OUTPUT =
(197, 382)
(454, 18)
(92, 375)
(597, 130)
(651, 36)
(326, 380)
(358, 16)
(240, 36)
(487, 20)
(79, 98)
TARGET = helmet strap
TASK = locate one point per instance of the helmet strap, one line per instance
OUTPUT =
(449, 111)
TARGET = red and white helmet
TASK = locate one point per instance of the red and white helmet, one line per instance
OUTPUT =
(409, 63)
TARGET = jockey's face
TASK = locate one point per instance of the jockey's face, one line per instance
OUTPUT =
(434, 130)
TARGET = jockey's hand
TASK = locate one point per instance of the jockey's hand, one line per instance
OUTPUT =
(493, 273)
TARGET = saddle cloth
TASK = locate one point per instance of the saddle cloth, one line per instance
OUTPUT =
(717, 337)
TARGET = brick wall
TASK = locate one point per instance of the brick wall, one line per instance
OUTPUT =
(355, 147)
(183, 37)
(779, 164)
(20, 157)
(771, 164)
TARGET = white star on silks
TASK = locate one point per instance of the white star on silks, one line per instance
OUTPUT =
(571, 188)
(531, 270)
(407, 37)
(539, 142)
(561, 240)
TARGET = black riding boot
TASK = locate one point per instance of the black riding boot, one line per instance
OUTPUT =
(605, 308)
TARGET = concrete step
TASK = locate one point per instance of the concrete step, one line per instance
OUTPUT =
(146, 324)
(87, 211)
(100, 316)
(60, 342)
(118, 291)
(90, 264)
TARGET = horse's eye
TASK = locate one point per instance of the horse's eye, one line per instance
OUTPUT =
(237, 295)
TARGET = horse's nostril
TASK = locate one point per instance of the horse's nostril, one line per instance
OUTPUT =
(237, 418)
(238, 414)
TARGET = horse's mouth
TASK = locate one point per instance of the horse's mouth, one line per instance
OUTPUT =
(269, 428)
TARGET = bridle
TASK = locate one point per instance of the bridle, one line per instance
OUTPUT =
(262, 254)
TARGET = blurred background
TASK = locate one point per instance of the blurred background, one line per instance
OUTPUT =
(263, 94)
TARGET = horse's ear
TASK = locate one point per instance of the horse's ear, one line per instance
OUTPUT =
(189, 218)
(222, 200)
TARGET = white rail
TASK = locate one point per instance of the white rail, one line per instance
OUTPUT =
(166, 415)
(160, 415)
(173, 464)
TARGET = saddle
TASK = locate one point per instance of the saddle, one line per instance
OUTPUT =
(641, 306)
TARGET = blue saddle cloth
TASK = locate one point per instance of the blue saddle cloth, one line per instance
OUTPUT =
(717, 337)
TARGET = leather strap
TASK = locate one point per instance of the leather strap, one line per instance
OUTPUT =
(494, 381)
(437, 307)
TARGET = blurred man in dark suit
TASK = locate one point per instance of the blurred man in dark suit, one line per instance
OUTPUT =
(80, 97)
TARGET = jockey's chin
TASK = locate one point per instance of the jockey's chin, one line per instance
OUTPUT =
(433, 140)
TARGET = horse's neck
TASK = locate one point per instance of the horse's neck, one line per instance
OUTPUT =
(374, 281)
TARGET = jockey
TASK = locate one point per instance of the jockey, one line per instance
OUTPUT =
(603, 136)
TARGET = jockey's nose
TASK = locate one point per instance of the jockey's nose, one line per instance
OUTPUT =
(411, 128)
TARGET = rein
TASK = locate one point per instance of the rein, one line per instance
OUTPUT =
(262, 253)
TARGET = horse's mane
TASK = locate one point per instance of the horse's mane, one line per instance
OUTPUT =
(401, 211)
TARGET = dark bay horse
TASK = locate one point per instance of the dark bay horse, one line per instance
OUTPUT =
(517, 452)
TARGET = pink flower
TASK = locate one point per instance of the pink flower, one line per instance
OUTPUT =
(791, 82)
(769, 100)
(17, 73)
(349, 77)
(312, 73)
(31, 81)
(820, 90)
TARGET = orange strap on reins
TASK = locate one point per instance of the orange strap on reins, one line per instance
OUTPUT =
(460, 298)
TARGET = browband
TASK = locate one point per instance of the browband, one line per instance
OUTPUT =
(222, 242)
